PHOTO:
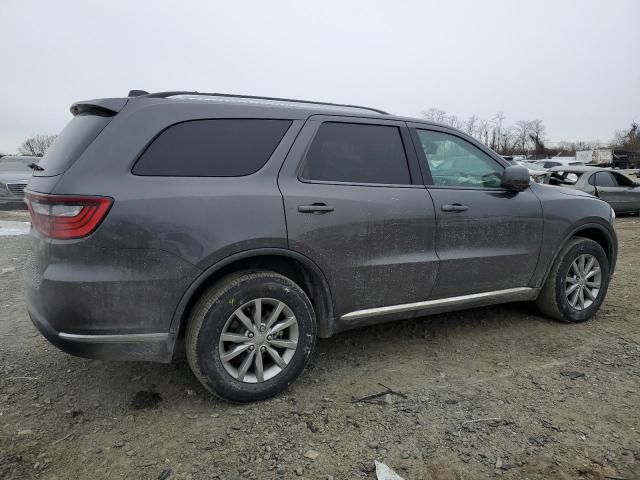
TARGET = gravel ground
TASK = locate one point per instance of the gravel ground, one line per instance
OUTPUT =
(497, 391)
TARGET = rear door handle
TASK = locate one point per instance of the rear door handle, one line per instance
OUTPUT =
(316, 208)
(456, 207)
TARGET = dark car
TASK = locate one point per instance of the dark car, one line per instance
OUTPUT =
(246, 227)
(615, 188)
(14, 175)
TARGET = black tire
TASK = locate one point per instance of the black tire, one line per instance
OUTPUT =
(209, 316)
(552, 300)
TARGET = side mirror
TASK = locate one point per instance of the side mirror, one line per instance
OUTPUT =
(515, 178)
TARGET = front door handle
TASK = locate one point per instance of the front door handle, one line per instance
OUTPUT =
(456, 207)
(316, 208)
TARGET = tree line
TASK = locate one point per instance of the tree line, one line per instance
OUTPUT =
(525, 137)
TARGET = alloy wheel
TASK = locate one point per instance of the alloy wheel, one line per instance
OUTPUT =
(583, 281)
(258, 340)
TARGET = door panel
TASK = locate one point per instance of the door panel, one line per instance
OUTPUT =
(486, 238)
(616, 191)
(492, 245)
(374, 243)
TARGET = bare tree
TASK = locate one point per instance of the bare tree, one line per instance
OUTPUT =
(483, 131)
(497, 120)
(435, 115)
(453, 122)
(508, 140)
(37, 145)
(470, 125)
(537, 133)
(628, 139)
(522, 128)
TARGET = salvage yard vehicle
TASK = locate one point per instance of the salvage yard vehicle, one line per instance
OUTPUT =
(14, 175)
(246, 227)
(618, 190)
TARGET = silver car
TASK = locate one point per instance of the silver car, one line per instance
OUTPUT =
(14, 175)
(615, 188)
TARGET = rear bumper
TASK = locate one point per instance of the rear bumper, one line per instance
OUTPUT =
(108, 304)
(152, 347)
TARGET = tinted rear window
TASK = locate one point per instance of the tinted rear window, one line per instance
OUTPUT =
(357, 153)
(74, 139)
(212, 148)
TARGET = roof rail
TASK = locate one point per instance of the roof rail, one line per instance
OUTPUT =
(255, 97)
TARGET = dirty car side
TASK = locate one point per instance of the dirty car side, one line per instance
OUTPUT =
(167, 238)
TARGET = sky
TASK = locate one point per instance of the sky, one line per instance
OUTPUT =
(573, 64)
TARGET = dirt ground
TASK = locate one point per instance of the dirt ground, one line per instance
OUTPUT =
(491, 392)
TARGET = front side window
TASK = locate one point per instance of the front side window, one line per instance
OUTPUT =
(212, 148)
(357, 153)
(454, 162)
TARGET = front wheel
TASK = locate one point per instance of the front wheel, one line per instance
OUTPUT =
(577, 283)
(250, 335)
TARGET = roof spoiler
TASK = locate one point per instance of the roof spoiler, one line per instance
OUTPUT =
(106, 107)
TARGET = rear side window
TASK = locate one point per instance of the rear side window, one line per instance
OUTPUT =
(604, 179)
(357, 153)
(212, 148)
(72, 141)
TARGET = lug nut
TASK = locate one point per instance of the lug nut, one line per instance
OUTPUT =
(262, 328)
(269, 337)
(263, 349)
(250, 334)
(252, 348)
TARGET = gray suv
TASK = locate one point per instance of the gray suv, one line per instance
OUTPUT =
(246, 227)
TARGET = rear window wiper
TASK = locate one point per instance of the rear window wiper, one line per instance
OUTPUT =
(36, 167)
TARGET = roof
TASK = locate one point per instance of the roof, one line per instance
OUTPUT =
(257, 100)
(577, 169)
(284, 107)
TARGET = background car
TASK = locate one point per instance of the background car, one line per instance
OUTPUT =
(622, 193)
(14, 175)
(537, 172)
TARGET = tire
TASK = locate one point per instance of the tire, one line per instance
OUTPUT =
(220, 311)
(553, 300)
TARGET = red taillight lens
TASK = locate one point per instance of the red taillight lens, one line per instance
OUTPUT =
(66, 216)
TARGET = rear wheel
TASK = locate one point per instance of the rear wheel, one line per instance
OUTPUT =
(250, 335)
(577, 283)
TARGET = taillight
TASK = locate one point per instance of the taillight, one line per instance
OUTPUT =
(66, 216)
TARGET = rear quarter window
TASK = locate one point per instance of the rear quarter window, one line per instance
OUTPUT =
(212, 148)
(71, 143)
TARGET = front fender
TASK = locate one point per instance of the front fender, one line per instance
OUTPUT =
(588, 226)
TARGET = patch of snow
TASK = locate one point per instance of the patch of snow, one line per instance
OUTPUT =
(8, 228)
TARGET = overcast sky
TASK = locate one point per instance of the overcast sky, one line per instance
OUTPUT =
(573, 64)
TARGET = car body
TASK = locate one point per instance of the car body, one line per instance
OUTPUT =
(557, 162)
(615, 188)
(537, 172)
(14, 176)
(159, 217)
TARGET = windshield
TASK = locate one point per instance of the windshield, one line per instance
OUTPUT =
(14, 165)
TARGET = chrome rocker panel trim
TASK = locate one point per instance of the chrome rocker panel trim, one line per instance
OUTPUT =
(519, 293)
(125, 338)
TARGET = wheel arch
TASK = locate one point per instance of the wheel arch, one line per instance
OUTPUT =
(597, 231)
(289, 263)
